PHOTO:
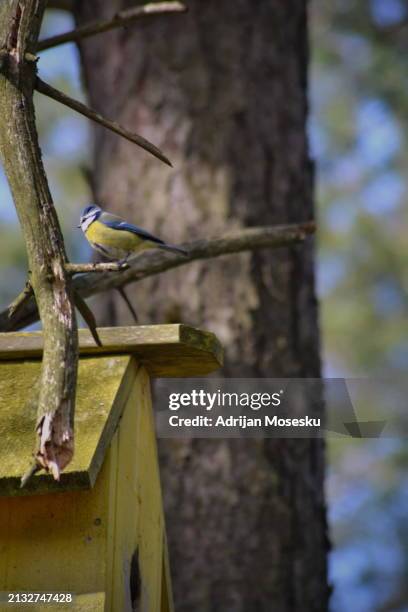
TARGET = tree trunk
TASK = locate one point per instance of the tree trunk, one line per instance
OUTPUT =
(222, 91)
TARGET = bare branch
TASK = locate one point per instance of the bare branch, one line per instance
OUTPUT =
(95, 267)
(20, 300)
(155, 262)
(123, 18)
(77, 106)
(88, 316)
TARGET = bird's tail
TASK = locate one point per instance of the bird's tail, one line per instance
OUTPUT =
(173, 249)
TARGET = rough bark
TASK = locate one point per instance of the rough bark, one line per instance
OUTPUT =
(223, 91)
(21, 156)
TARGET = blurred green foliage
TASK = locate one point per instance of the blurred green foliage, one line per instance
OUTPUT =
(358, 131)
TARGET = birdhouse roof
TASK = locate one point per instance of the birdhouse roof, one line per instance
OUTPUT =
(105, 377)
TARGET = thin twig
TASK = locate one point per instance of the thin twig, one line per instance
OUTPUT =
(20, 300)
(88, 316)
(95, 267)
(123, 18)
(129, 304)
(155, 262)
(59, 96)
(33, 469)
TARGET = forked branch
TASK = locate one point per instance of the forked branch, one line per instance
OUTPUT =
(21, 156)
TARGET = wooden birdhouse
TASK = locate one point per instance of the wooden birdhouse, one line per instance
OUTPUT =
(99, 533)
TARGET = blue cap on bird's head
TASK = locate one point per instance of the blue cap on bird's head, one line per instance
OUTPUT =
(89, 214)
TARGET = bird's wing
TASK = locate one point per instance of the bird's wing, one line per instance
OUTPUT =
(118, 223)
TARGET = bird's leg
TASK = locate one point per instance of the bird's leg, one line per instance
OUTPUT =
(123, 262)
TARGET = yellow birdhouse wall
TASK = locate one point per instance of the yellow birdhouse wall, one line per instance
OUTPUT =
(84, 541)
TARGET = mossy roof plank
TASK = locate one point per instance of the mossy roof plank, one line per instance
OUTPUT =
(103, 386)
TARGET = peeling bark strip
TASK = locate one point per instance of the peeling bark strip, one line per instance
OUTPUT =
(15, 24)
(20, 153)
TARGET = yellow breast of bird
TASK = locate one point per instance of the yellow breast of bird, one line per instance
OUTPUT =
(99, 233)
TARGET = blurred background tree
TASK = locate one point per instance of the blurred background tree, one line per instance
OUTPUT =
(358, 132)
(358, 125)
(222, 90)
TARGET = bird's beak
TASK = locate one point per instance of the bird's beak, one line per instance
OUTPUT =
(78, 226)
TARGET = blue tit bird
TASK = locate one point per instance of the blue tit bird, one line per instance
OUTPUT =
(115, 238)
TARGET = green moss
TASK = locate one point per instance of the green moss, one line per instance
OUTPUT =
(98, 397)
